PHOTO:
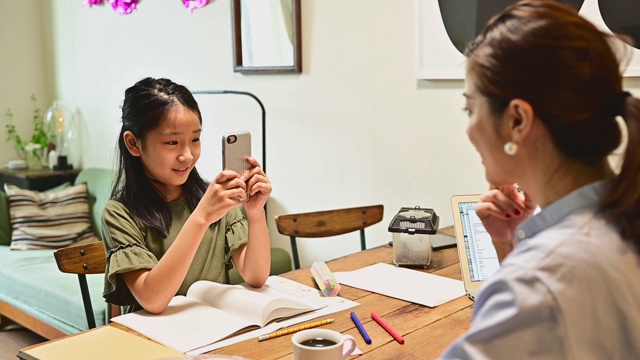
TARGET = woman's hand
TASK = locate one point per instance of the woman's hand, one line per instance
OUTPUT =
(501, 210)
(258, 187)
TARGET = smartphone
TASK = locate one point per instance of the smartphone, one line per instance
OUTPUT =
(236, 147)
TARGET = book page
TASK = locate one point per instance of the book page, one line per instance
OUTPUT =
(186, 324)
(331, 304)
(283, 308)
(258, 305)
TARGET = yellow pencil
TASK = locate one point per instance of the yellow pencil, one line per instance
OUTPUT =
(294, 329)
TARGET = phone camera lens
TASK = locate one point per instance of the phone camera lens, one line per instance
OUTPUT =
(231, 139)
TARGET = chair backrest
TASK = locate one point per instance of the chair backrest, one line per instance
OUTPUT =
(82, 259)
(328, 223)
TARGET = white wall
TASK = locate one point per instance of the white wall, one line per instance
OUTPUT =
(22, 69)
(356, 128)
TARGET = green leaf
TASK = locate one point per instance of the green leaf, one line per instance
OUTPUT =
(39, 135)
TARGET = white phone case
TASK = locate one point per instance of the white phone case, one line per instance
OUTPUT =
(236, 147)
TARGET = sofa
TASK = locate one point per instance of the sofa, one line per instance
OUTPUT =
(36, 295)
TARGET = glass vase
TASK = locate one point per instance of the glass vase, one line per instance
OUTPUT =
(34, 157)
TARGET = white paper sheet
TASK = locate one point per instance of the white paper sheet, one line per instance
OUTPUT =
(405, 284)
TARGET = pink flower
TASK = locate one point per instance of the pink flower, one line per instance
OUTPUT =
(194, 4)
(123, 7)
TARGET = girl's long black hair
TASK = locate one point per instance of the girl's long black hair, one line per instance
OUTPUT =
(146, 104)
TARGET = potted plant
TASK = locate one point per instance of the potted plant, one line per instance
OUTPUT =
(35, 150)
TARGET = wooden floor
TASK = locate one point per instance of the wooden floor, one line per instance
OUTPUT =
(13, 338)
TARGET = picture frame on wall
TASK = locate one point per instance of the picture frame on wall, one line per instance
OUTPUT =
(438, 57)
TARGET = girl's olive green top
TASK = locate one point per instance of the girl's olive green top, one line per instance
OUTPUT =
(133, 246)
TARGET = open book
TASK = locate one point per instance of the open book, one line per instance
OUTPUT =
(211, 312)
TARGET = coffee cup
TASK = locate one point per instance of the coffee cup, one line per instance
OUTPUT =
(321, 344)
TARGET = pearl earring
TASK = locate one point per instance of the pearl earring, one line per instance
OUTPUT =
(511, 148)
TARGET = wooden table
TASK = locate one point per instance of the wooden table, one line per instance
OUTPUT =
(427, 331)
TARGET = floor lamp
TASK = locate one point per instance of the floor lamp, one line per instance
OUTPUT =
(264, 116)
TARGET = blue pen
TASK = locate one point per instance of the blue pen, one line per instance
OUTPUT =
(363, 332)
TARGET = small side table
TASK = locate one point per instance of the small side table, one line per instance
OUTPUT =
(39, 180)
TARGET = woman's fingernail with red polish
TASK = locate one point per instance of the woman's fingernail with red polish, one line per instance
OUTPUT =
(508, 216)
(517, 212)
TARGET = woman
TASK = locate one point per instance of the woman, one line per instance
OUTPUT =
(165, 227)
(543, 90)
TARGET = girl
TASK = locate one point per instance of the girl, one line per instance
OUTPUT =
(165, 227)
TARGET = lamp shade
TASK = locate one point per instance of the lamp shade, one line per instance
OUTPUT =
(58, 125)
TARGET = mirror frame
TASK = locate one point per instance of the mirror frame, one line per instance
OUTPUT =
(238, 66)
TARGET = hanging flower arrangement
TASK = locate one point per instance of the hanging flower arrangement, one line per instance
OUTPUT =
(125, 7)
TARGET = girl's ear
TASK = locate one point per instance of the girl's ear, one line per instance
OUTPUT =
(520, 119)
(132, 143)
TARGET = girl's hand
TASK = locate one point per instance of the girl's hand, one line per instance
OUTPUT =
(258, 187)
(501, 210)
(223, 194)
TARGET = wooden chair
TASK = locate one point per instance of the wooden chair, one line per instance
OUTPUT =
(328, 223)
(84, 259)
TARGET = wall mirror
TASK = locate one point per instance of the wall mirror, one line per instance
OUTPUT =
(266, 36)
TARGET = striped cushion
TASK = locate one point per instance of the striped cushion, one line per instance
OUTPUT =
(49, 220)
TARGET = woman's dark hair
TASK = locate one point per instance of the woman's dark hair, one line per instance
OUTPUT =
(146, 105)
(546, 54)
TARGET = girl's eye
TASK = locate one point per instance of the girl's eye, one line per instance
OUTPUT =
(465, 109)
(172, 142)
(196, 140)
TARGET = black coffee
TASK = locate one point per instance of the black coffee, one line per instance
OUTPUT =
(318, 342)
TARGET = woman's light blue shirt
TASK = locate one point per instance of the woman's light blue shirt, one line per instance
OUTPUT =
(569, 290)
